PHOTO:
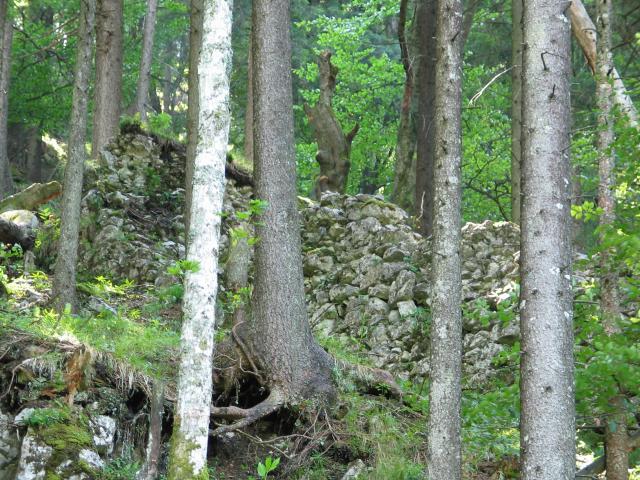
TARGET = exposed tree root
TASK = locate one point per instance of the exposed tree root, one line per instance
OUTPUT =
(245, 417)
(366, 379)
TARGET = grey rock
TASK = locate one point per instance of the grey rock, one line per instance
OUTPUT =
(34, 455)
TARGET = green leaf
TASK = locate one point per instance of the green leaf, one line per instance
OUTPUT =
(262, 470)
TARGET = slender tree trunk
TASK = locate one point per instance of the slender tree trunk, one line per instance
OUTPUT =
(467, 22)
(144, 77)
(617, 455)
(64, 280)
(444, 444)
(154, 440)
(34, 154)
(516, 107)
(404, 180)
(6, 181)
(108, 88)
(248, 114)
(188, 451)
(426, 14)
(295, 366)
(168, 84)
(547, 434)
(195, 44)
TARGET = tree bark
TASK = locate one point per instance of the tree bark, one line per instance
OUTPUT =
(108, 84)
(467, 22)
(586, 34)
(188, 451)
(144, 78)
(516, 107)
(6, 181)
(295, 366)
(404, 181)
(64, 280)
(334, 146)
(154, 440)
(195, 44)
(34, 154)
(444, 443)
(547, 435)
(248, 113)
(616, 454)
(425, 148)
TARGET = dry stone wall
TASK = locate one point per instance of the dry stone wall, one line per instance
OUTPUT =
(367, 271)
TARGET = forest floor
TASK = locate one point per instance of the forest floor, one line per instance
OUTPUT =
(138, 329)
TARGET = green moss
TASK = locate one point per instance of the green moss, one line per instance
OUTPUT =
(179, 466)
(68, 438)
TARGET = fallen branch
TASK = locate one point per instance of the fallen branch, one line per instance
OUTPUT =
(31, 197)
(584, 30)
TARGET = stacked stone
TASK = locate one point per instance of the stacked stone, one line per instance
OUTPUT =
(367, 271)
(367, 278)
(133, 223)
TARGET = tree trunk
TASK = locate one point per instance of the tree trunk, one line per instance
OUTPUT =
(617, 456)
(144, 77)
(195, 44)
(404, 180)
(154, 440)
(6, 181)
(295, 366)
(334, 146)
(585, 32)
(168, 92)
(467, 22)
(188, 451)
(516, 108)
(547, 435)
(34, 154)
(248, 113)
(444, 443)
(64, 280)
(108, 88)
(426, 15)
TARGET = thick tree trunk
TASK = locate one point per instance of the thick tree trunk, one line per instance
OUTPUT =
(144, 77)
(516, 108)
(188, 452)
(295, 366)
(426, 14)
(6, 181)
(248, 113)
(64, 280)
(586, 33)
(547, 435)
(334, 146)
(108, 88)
(617, 456)
(444, 443)
(195, 44)
(404, 177)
